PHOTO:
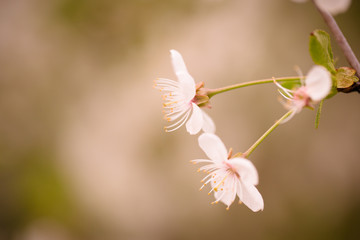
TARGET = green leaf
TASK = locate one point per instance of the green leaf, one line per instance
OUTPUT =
(345, 77)
(320, 50)
(318, 113)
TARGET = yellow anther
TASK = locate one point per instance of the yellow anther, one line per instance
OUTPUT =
(215, 189)
(209, 193)
(240, 202)
(227, 208)
(204, 171)
(198, 170)
(214, 181)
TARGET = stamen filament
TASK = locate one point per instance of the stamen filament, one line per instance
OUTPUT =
(180, 122)
(201, 160)
(282, 94)
(216, 187)
(219, 198)
(169, 103)
(286, 90)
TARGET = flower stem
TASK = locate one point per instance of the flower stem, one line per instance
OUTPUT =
(213, 92)
(272, 128)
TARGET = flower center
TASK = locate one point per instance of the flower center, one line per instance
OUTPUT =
(231, 169)
(301, 94)
(301, 98)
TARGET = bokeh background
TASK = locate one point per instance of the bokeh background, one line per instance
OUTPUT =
(83, 154)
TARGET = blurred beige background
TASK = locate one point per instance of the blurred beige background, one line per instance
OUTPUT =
(83, 154)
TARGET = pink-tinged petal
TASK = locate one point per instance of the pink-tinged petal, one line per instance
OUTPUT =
(318, 83)
(208, 125)
(251, 197)
(195, 122)
(187, 83)
(213, 147)
(246, 170)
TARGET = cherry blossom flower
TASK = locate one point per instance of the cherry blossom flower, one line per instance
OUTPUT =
(332, 6)
(180, 101)
(227, 176)
(317, 86)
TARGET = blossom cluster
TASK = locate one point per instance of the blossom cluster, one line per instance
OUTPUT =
(229, 175)
(232, 176)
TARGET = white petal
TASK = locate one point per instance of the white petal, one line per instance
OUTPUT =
(246, 170)
(178, 62)
(227, 199)
(251, 197)
(186, 81)
(187, 87)
(208, 124)
(226, 192)
(195, 122)
(318, 83)
(334, 6)
(213, 147)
